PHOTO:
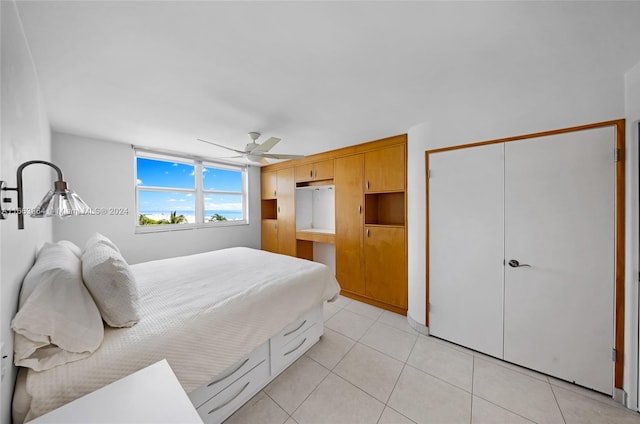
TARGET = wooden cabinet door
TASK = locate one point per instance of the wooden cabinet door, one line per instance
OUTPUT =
(269, 235)
(384, 169)
(304, 172)
(268, 185)
(349, 222)
(386, 264)
(286, 212)
(323, 170)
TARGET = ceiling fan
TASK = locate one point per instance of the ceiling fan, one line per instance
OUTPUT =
(255, 152)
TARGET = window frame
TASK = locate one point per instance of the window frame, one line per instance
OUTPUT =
(198, 191)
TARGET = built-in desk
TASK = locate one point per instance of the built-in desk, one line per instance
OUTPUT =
(316, 234)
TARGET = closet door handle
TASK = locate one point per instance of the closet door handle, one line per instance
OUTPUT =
(359, 208)
(367, 232)
(367, 184)
(310, 173)
(513, 263)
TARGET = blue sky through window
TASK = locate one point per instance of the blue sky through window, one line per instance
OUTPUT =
(176, 175)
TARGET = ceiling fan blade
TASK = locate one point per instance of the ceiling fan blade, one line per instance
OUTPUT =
(267, 145)
(220, 145)
(276, 156)
(263, 161)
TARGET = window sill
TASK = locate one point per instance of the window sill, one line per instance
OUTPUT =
(163, 228)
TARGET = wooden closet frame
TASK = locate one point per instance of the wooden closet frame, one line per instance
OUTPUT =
(619, 124)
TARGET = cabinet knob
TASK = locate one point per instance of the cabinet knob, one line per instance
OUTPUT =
(367, 232)
(278, 209)
(359, 208)
(310, 173)
(315, 173)
(274, 193)
(367, 184)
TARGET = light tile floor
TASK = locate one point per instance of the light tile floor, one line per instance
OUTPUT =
(372, 367)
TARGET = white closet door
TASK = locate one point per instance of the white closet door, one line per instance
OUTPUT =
(559, 218)
(466, 238)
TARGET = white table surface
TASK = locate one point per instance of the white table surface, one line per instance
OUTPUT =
(151, 395)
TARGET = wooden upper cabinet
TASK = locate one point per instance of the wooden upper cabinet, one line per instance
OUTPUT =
(304, 172)
(316, 171)
(384, 169)
(323, 170)
(268, 184)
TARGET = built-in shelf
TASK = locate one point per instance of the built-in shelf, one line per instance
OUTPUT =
(269, 209)
(384, 209)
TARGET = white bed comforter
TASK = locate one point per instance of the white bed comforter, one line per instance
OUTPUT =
(201, 312)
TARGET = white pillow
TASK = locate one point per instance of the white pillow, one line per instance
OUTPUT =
(100, 238)
(71, 246)
(68, 244)
(57, 320)
(111, 283)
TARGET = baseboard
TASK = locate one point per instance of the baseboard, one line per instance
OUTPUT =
(422, 329)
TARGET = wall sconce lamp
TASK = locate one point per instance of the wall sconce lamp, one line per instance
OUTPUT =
(60, 201)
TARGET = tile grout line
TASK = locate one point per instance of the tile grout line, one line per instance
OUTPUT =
(509, 366)
(363, 391)
(505, 409)
(473, 372)
(440, 379)
(309, 395)
(277, 404)
(404, 365)
(557, 403)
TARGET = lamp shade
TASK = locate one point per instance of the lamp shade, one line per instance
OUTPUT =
(60, 202)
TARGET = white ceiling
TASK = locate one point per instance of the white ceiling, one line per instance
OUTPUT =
(320, 75)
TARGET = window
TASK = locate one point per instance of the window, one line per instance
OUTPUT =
(174, 192)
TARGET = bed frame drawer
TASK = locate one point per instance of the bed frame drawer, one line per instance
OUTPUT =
(283, 355)
(298, 327)
(222, 405)
(230, 375)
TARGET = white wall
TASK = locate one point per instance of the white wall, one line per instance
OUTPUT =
(632, 115)
(102, 173)
(25, 135)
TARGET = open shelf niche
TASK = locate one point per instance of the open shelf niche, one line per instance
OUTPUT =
(384, 209)
(316, 223)
(316, 209)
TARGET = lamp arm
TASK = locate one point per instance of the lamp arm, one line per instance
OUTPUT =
(19, 187)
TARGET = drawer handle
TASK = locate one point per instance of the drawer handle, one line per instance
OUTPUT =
(297, 347)
(296, 329)
(230, 400)
(229, 373)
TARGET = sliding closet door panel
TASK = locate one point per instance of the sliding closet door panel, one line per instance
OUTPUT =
(466, 250)
(560, 220)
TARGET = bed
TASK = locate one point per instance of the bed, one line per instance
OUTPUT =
(227, 321)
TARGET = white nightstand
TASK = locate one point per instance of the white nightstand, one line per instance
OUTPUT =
(151, 395)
